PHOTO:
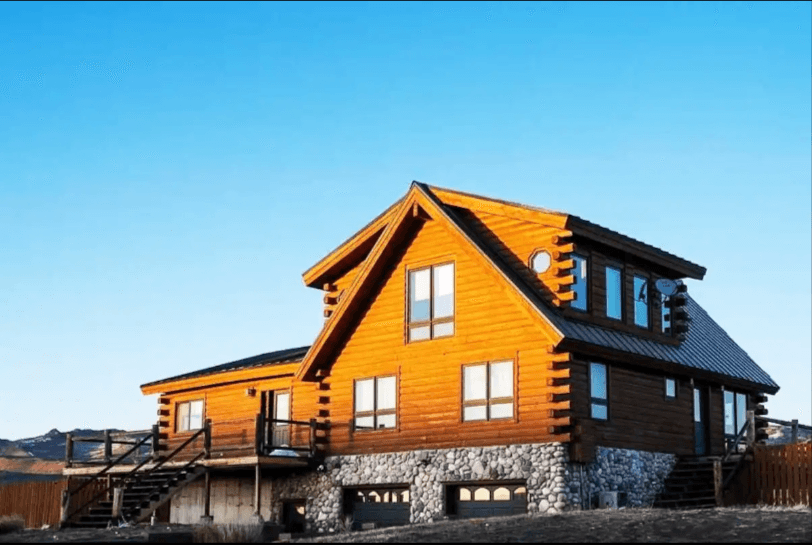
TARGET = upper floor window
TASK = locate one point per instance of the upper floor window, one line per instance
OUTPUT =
(431, 302)
(375, 403)
(640, 301)
(598, 392)
(487, 391)
(614, 299)
(581, 285)
(189, 415)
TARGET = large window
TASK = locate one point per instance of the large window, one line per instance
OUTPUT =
(614, 293)
(641, 301)
(431, 302)
(581, 285)
(189, 415)
(487, 391)
(375, 403)
(598, 392)
(735, 412)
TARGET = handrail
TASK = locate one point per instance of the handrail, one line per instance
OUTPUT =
(99, 474)
(785, 423)
(732, 449)
(205, 428)
(174, 475)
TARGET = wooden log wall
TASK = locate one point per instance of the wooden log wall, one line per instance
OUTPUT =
(489, 326)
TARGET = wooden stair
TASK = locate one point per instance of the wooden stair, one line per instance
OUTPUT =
(141, 498)
(690, 484)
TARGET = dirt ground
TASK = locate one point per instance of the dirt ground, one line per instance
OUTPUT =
(745, 524)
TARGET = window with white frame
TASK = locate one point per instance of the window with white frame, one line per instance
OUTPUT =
(487, 391)
(431, 302)
(375, 403)
(735, 412)
(189, 415)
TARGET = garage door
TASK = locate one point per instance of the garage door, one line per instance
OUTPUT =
(487, 500)
(387, 506)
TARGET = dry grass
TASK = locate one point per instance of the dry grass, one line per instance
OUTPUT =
(228, 533)
(11, 523)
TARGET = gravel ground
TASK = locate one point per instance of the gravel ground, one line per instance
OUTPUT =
(740, 524)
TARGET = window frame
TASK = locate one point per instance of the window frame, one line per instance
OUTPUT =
(178, 423)
(431, 322)
(488, 401)
(375, 412)
(646, 281)
(621, 298)
(737, 426)
(597, 400)
(665, 388)
(574, 256)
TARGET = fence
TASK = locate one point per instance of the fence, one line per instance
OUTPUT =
(778, 475)
(36, 501)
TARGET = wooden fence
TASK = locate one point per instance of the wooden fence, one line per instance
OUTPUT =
(36, 501)
(778, 475)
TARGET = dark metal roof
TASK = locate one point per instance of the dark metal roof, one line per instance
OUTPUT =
(707, 346)
(289, 355)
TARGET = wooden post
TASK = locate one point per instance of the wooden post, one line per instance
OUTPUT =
(257, 489)
(794, 431)
(63, 514)
(68, 450)
(751, 428)
(313, 437)
(717, 481)
(118, 502)
(207, 497)
(207, 441)
(108, 447)
(259, 435)
(156, 440)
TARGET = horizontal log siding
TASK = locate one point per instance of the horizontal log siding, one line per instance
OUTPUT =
(489, 326)
(640, 417)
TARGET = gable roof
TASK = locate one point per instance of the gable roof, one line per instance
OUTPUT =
(707, 347)
(288, 355)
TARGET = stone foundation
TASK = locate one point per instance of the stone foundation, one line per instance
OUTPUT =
(553, 483)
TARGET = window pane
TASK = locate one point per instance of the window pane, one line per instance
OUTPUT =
(473, 413)
(386, 421)
(444, 330)
(502, 410)
(444, 291)
(741, 411)
(365, 395)
(386, 393)
(365, 423)
(541, 262)
(600, 412)
(282, 408)
(501, 379)
(482, 494)
(196, 415)
(597, 374)
(465, 494)
(613, 290)
(581, 282)
(419, 333)
(419, 283)
(183, 417)
(670, 388)
(665, 311)
(697, 407)
(474, 382)
(640, 301)
(730, 426)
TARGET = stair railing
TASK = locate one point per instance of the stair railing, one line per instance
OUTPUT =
(206, 429)
(66, 494)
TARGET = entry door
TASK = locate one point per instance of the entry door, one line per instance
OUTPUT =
(281, 411)
(700, 421)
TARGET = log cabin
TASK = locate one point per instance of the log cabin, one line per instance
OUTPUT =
(478, 357)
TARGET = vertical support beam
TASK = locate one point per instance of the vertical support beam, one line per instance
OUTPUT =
(118, 502)
(717, 481)
(109, 495)
(68, 450)
(260, 436)
(751, 428)
(257, 489)
(794, 431)
(108, 447)
(156, 442)
(65, 507)
(206, 518)
(207, 442)
(313, 437)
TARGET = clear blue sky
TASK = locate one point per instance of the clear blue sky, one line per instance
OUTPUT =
(168, 171)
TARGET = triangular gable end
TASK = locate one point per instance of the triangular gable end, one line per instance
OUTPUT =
(418, 205)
